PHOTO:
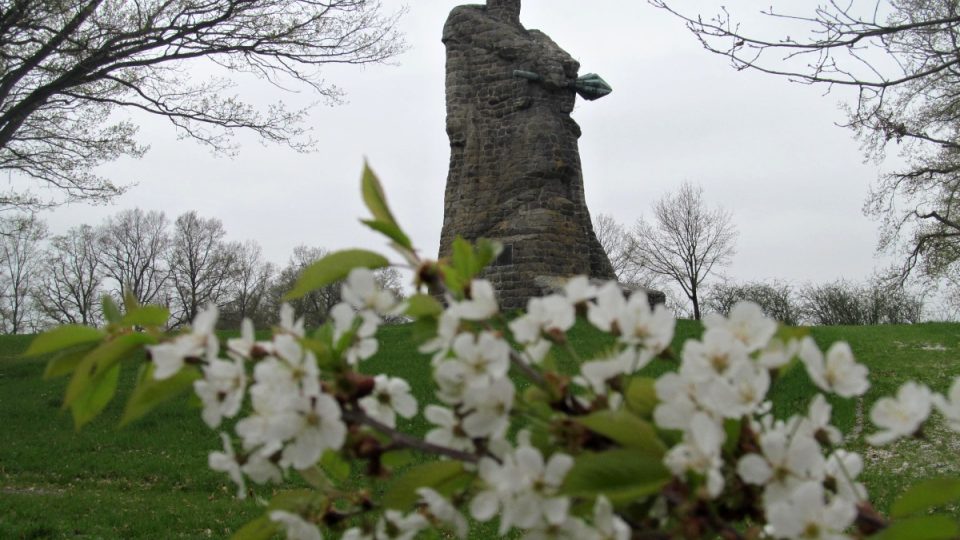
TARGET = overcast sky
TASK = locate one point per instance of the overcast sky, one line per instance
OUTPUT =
(767, 150)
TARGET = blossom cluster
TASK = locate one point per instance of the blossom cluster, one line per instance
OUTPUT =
(805, 483)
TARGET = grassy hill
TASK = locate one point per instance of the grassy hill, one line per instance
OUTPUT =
(150, 480)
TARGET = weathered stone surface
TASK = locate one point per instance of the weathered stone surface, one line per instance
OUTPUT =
(515, 173)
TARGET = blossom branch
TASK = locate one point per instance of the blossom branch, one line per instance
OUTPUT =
(527, 370)
(407, 441)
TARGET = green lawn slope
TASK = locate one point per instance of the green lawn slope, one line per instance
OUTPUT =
(150, 479)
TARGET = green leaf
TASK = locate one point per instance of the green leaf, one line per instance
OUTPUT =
(487, 251)
(63, 337)
(332, 268)
(145, 316)
(374, 198)
(64, 362)
(111, 311)
(423, 305)
(452, 279)
(149, 392)
(925, 495)
(95, 397)
(99, 360)
(259, 529)
(391, 231)
(439, 475)
(464, 260)
(295, 500)
(641, 396)
(936, 527)
(623, 475)
(396, 458)
(626, 429)
(320, 350)
(335, 466)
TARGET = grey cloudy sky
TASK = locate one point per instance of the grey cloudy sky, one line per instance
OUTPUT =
(767, 150)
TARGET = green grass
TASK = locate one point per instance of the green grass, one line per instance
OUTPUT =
(150, 479)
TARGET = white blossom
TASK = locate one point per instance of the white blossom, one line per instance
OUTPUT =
(390, 397)
(578, 290)
(949, 406)
(486, 358)
(747, 323)
(393, 525)
(806, 514)
(604, 312)
(818, 417)
(488, 409)
(449, 431)
(442, 512)
(839, 373)
(741, 392)
(261, 470)
(595, 374)
(227, 462)
(523, 489)
(320, 428)
(900, 416)
(364, 344)
(776, 354)
(607, 524)
(201, 343)
(289, 324)
(700, 452)
(844, 467)
(221, 390)
(447, 327)
(788, 460)
(717, 353)
(545, 315)
(677, 401)
(482, 304)
(241, 348)
(640, 325)
(451, 378)
(295, 526)
(361, 291)
(355, 533)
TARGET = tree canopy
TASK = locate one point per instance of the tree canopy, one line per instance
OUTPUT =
(69, 68)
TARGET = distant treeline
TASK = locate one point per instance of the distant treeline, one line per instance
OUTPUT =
(184, 265)
(826, 304)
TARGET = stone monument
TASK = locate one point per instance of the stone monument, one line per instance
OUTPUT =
(515, 173)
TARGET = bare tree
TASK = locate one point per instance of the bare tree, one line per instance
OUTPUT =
(133, 248)
(201, 265)
(251, 282)
(20, 247)
(620, 247)
(902, 57)
(314, 306)
(776, 299)
(617, 243)
(68, 68)
(70, 278)
(686, 241)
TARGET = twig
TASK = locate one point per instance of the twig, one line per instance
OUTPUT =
(408, 441)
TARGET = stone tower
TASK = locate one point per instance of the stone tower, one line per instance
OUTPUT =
(515, 173)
